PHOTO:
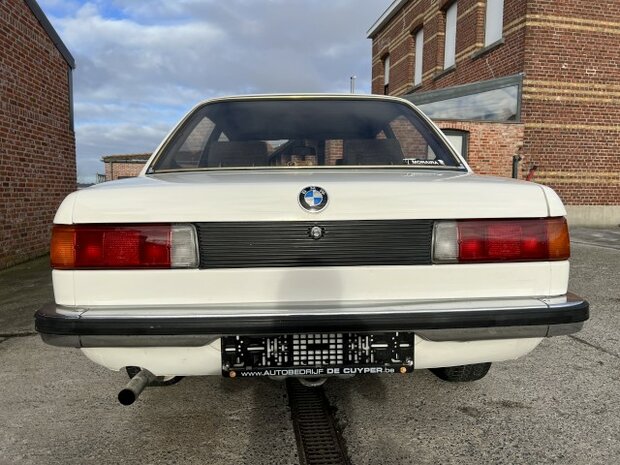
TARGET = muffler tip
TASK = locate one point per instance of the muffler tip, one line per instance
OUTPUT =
(126, 397)
(135, 386)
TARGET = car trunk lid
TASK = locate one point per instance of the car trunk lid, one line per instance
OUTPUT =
(273, 195)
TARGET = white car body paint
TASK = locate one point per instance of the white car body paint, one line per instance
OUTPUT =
(229, 196)
(195, 287)
(205, 360)
(355, 194)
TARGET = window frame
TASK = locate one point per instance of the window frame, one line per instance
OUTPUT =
(488, 42)
(464, 135)
(450, 12)
(173, 139)
(418, 56)
(386, 74)
(421, 98)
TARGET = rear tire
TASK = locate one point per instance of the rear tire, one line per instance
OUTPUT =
(462, 373)
(160, 381)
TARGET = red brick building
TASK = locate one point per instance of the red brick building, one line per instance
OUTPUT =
(123, 166)
(539, 79)
(37, 143)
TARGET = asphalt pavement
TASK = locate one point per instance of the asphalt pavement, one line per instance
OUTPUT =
(560, 404)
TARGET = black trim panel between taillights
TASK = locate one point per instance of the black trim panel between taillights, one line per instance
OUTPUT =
(314, 243)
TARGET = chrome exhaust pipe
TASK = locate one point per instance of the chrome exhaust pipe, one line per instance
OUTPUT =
(135, 386)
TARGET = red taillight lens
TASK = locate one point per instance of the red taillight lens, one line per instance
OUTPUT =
(512, 240)
(121, 246)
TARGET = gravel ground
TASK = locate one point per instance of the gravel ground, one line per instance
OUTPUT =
(561, 404)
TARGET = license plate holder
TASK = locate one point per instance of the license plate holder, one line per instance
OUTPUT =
(317, 354)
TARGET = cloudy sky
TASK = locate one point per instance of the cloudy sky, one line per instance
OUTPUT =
(142, 64)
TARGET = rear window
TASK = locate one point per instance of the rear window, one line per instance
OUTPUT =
(299, 133)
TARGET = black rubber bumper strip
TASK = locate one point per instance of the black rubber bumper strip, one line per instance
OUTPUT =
(576, 311)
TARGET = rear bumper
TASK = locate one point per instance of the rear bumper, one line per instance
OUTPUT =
(446, 320)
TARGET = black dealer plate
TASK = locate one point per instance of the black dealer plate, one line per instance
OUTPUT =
(317, 354)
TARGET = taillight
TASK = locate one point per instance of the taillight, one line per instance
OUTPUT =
(123, 246)
(475, 241)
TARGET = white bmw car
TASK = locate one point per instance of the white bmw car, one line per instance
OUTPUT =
(308, 236)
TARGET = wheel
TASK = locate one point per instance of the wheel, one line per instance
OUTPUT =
(161, 380)
(462, 373)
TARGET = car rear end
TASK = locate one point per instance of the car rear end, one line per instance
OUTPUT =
(314, 269)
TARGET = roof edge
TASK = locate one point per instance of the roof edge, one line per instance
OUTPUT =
(127, 158)
(387, 15)
(51, 32)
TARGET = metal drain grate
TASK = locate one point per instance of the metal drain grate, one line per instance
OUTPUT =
(318, 440)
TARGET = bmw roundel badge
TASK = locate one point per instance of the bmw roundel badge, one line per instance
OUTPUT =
(313, 198)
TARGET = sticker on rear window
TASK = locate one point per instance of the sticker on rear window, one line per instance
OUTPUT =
(417, 161)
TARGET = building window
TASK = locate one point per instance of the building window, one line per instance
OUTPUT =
(386, 75)
(418, 57)
(449, 51)
(494, 100)
(493, 105)
(494, 21)
(459, 140)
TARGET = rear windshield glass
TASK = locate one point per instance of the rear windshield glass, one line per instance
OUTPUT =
(304, 133)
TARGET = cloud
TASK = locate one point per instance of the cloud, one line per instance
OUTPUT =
(117, 138)
(142, 65)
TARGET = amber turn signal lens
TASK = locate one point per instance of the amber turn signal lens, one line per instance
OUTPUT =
(558, 239)
(62, 247)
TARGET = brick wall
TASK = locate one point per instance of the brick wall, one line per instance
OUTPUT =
(333, 152)
(571, 98)
(37, 147)
(118, 170)
(412, 142)
(492, 146)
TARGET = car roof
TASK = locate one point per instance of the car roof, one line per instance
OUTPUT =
(305, 96)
